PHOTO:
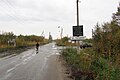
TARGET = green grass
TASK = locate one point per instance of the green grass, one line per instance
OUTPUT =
(89, 65)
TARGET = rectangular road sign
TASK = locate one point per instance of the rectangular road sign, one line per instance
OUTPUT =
(78, 30)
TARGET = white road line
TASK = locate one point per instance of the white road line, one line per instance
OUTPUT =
(28, 59)
(9, 70)
(24, 62)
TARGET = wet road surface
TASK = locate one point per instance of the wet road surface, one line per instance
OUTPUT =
(31, 66)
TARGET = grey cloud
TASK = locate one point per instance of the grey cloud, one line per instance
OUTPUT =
(54, 12)
(38, 10)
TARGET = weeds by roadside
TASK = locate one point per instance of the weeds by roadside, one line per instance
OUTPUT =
(89, 65)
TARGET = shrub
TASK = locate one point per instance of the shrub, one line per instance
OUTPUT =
(88, 65)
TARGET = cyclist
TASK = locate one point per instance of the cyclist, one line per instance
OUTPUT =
(37, 47)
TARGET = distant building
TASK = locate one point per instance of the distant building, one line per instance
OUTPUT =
(12, 42)
(116, 16)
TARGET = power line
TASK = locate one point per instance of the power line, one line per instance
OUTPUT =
(9, 4)
(13, 12)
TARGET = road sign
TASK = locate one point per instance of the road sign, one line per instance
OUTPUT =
(80, 38)
(78, 30)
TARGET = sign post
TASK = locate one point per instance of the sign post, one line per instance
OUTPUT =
(78, 30)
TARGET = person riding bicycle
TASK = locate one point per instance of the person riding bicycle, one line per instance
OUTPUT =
(37, 46)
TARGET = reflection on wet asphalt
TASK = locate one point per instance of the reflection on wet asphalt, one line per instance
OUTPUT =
(28, 65)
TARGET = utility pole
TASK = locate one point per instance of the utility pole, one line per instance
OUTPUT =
(92, 33)
(77, 13)
(78, 48)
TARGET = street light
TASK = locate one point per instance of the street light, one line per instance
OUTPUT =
(61, 31)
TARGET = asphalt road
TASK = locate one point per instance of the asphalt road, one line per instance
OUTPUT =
(31, 66)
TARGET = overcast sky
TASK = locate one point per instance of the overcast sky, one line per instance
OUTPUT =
(29, 17)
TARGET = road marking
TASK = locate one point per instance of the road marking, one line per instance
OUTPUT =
(24, 62)
(28, 59)
(9, 70)
(17, 65)
(28, 54)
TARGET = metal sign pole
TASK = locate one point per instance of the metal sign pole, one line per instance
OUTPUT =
(77, 24)
(77, 13)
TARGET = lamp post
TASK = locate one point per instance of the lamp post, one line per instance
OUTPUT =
(61, 31)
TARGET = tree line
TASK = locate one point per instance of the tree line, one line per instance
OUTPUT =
(106, 37)
(9, 38)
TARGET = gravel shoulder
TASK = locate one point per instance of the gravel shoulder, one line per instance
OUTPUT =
(57, 69)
